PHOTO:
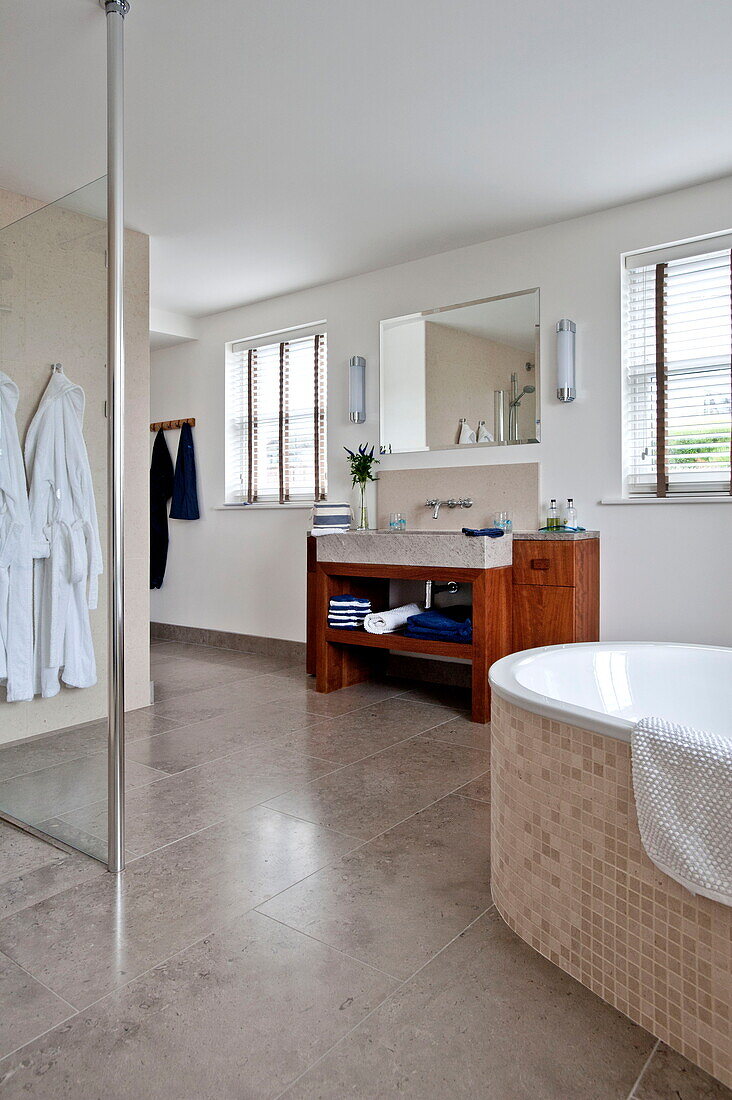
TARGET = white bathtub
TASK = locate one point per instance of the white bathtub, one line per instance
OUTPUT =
(606, 687)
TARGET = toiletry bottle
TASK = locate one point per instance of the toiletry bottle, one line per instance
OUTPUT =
(552, 516)
(570, 516)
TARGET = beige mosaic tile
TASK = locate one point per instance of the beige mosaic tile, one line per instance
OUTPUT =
(570, 876)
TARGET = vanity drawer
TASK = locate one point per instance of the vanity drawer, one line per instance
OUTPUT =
(544, 562)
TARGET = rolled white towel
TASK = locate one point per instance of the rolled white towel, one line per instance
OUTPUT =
(386, 622)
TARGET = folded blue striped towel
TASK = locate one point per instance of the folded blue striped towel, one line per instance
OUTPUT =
(329, 515)
(348, 612)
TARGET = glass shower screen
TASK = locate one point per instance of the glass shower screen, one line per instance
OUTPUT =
(53, 350)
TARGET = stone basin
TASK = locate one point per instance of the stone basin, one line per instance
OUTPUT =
(432, 549)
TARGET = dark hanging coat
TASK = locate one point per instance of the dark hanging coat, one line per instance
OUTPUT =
(161, 490)
(185, 496)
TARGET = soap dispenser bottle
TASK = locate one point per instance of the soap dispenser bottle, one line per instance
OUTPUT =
(570, 516)
(552, 516)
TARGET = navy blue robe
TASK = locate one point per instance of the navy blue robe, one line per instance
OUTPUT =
(185, 495)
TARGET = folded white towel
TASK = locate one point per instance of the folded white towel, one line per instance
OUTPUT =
(682, 781)
(329, 530)
(484, 436)
(386, 622)
(467, 435)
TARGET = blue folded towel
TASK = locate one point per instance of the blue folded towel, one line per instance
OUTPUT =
(489, 532)
(452, 624)
(348, 612)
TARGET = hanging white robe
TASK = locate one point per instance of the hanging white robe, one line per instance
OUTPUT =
(66, 548)
(16, 559)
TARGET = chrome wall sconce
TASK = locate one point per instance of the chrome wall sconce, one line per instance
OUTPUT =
(566, 390)
(357, 389)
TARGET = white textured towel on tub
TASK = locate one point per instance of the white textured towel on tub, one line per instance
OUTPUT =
(682, 781)
(386, 622)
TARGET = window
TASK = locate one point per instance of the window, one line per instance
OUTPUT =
(276, 419)
(678, 331)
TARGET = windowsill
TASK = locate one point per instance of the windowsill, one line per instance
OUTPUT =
(264, 505)
(676, 499)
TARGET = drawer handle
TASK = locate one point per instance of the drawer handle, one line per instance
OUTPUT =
(540, 563)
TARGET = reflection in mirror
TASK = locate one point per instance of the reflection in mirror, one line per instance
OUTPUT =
(462, 376)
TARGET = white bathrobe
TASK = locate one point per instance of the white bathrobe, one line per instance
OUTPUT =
(16, 559)
(66, 549)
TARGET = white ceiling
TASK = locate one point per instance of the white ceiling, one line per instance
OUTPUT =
(276, 145)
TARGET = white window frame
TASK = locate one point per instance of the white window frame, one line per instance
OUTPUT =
(703, 490)
(233, 352)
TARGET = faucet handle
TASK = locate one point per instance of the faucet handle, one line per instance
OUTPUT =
(466, 502)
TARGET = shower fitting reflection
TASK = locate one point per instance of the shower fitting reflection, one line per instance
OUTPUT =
(513, 406)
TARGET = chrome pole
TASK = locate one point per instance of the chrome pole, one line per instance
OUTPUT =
(115, 11)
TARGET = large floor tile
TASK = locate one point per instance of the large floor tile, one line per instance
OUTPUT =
(92, 844)
(204, 654)
(20, 852)
(487, 1018)
(56, 790)
(479, 788)
(461, 731)
(59, 746)
(29, 1008)
(361, 733)
(457, 698)
(239, 1015)
(368, 797)
(19, 757)
(302, 689)
(31, 869)
(180, 677)
(188, 746)
(146, 723)
(88, 940)
(670, 1076)
(294, 688)
(193, 799)
(398, 900)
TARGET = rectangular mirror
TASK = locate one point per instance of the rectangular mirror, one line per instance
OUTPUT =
(462, 376)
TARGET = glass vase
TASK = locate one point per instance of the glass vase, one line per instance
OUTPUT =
(363, 512)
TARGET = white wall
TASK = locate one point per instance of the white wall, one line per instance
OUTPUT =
(665, 567)
(404, 392)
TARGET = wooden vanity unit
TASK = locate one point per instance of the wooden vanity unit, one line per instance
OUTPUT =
(543, 593)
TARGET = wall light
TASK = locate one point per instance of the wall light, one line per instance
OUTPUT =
(565, 360)
(357, 389)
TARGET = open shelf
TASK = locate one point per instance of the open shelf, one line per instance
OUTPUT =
(400, 641)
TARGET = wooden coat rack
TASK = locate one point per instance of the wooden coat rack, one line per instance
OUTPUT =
(168, 425)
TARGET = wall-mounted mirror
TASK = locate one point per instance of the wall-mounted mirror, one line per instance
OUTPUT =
(462, 376)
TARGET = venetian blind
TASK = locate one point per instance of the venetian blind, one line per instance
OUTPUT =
(678, 376)
(276, 421)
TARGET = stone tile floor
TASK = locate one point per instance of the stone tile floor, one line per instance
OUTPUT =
(306, 912)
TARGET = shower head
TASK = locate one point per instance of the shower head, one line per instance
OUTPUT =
(525, 390)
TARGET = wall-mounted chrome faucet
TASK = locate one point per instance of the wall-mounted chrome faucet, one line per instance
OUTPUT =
(435, 505)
